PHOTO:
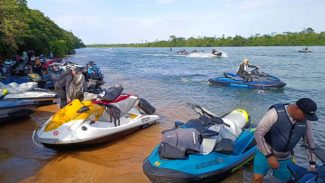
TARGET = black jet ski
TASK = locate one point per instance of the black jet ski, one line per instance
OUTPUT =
(216, 52)
(15, 109)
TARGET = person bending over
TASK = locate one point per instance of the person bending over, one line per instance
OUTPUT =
(278, 133)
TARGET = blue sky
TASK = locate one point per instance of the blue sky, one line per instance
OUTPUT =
(129, 21)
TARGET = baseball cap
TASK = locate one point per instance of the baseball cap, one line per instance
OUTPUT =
(308, 107)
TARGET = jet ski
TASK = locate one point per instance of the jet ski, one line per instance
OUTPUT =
(15, 79)
(85, 123)
(15, 109)
(301, 174)
(182, 52)
(260, 80)
(305, 51)
(30, 91)
(216, 52)
(206, 149)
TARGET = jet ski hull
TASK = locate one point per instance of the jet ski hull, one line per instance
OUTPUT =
(16, 109)
(211, 167)
(236, 81)
(51, 144)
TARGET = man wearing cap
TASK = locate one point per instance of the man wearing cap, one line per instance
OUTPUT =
(243, 70)
(278, 133)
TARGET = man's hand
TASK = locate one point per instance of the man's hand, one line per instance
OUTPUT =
(312, 168)
(273, 162)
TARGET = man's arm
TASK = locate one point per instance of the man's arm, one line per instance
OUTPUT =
(309, 140)
(263, 127)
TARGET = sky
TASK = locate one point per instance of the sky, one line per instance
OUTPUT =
(138, 21)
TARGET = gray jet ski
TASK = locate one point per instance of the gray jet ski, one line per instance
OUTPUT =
(15, 109)
(40, 95)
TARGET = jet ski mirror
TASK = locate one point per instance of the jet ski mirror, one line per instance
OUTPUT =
(83, 109)
(178, 124)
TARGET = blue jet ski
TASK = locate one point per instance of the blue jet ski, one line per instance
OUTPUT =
(202, 150)
(16, 79)
(259, 80)
(302, 175)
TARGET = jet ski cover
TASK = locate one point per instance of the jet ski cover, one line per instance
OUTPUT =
(176, 142)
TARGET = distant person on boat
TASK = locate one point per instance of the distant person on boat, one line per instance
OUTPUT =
(243, 70)
(276, 135)
(305, 49)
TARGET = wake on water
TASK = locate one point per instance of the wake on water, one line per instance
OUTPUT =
(205, 55)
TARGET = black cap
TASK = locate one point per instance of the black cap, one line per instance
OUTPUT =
(308, 107)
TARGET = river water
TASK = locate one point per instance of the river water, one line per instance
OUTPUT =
(168, 81)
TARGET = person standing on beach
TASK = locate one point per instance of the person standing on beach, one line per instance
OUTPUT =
(62, 87)
(278, 133)
(77, 86)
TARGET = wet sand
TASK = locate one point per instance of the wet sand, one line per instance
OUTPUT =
(119, 161)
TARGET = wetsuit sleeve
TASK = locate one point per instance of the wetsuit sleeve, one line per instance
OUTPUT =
(309, 140)
(263, 127)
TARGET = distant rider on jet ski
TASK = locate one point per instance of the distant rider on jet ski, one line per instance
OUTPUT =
(243, 70)
(278, 133)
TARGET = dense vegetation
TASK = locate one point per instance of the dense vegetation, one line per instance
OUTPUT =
(307, 37)
(23, 29)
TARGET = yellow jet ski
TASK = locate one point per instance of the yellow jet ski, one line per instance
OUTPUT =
(83, 123)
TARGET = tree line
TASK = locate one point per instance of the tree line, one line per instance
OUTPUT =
(306, 37)
(23, 29)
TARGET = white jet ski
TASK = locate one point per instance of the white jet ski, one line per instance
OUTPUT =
(29, 91)
(83, 123)
(15, 109)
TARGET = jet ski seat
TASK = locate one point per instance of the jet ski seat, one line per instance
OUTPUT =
(112, 93)
(225, 146)
(115, 111)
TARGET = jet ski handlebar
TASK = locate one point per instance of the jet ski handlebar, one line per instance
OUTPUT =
(204, 112)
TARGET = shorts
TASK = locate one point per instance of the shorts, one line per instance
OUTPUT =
(261, 166)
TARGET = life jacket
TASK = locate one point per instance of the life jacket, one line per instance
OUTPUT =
(284, 136)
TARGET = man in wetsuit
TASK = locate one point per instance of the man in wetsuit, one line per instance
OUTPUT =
(278, 133)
